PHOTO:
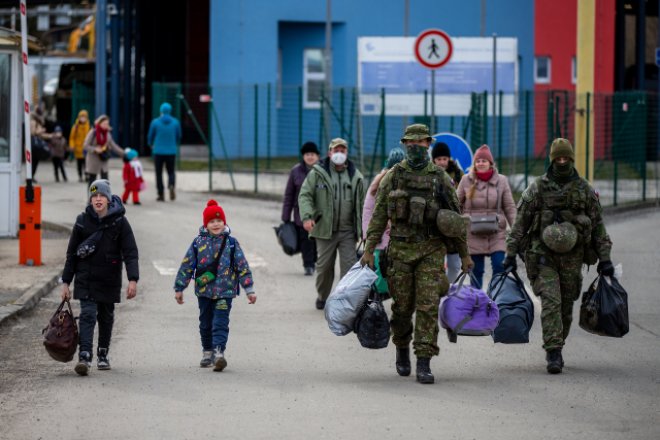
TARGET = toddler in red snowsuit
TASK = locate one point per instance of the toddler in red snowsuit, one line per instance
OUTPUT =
(132, 173)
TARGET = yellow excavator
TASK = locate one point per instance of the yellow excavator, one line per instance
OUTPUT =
(85, 29)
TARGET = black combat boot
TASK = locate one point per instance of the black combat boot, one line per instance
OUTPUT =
(424, 374)
(403, 361)
(555, 361)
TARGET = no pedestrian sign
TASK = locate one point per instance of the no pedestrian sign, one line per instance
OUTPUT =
(433, 48)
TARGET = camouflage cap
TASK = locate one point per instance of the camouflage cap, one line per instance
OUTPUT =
(336, 142)
(416, 132)
(560, 238)
(561, 148)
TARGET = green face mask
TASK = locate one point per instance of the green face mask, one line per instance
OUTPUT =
(417, 156)
(564, 169)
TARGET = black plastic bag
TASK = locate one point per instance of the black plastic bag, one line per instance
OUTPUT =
(287, 237)
(604, 309)
(372, 325)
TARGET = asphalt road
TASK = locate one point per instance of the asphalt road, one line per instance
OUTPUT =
(289, 377)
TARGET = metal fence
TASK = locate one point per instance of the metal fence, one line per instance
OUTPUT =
(262, 123)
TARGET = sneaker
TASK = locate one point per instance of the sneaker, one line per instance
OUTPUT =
(320, 304)
(219, 362)
(172, 193)
(207, 359)
(84, 363)
(102, 362)
(309, 271)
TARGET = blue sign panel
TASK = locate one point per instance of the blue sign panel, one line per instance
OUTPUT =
(459, 148)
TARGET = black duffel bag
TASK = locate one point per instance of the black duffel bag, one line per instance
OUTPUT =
(604, 309)
(372, 325)
(287, 237)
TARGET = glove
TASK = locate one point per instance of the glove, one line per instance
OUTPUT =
(466, 263)
(368, 258)
(510, 263)
(605, 268)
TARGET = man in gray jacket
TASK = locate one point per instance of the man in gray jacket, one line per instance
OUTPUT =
(330, 202)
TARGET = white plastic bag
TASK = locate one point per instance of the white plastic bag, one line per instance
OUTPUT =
(343, 304)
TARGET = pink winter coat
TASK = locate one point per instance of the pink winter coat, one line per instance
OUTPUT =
(368, 211)
(484, 201)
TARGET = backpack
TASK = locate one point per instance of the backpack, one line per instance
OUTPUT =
(467, 311)
(372, 325)
(515, 306)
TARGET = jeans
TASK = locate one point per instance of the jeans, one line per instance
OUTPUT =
(168, 160)
(91, 312)
(496, 259)
(214, 322)
(307, 247)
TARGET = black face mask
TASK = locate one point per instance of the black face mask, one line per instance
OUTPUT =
(417, 156)
(563, 173)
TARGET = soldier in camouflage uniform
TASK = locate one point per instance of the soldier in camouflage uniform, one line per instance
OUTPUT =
(558, 228)
(410, 196)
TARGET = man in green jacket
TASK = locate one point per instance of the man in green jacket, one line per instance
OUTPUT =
(330, 202)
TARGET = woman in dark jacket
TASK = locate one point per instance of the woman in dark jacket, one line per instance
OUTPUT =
(101, 239)
(310, 155)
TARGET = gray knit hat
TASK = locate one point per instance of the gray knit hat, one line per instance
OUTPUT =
(100, 186)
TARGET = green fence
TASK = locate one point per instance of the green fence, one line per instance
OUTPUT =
(260, 127)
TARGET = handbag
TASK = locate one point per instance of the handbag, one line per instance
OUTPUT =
(61, 334)
(486, 224)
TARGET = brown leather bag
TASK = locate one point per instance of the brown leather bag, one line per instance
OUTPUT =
(61, 334)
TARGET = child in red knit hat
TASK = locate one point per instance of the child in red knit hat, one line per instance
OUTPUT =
(217, 263)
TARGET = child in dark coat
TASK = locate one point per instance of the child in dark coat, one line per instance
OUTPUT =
(217, 263)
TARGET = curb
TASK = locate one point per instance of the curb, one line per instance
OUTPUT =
(30, 297)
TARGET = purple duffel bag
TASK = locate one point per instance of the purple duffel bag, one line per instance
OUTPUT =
(467, 311)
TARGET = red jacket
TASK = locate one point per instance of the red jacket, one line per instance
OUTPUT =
(132, 175)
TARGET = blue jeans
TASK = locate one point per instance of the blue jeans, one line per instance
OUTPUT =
(90, 313)
(496, 259)
(214, 322)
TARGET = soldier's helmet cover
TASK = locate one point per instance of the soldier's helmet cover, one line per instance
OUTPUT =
(416, 132)
(450, 224)
(560, 237)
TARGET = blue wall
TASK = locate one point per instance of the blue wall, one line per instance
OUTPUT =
(245, 37)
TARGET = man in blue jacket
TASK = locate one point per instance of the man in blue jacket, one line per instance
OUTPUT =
(164, 137)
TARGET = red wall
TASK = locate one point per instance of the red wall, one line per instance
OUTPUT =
(555, 24)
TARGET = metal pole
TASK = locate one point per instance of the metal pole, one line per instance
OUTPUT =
(426, 104)
(268, 128)
(328, 62)
(586, 143)
(101, 56)
(382, 113)
(114, 69)
(527, 94)
(494, 87)
(433, 101)
(483, 17)
(499, 130)
(256, 137)
(29, 191)
(300, 117)
(341, 113)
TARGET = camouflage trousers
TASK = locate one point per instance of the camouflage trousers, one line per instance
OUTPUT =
(416, 280)
(557, 279)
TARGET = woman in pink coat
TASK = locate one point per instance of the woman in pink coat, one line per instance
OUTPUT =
(478, 194)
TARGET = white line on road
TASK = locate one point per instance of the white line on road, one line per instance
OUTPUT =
(166, 267)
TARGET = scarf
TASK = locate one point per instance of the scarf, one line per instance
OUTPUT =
(563, 173)
(417, 156)
(485, 176)
(101, 135)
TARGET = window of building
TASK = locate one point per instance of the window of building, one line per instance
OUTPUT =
(313, 77)
(574, 70)
(542, 70)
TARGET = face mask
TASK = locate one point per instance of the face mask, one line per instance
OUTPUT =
(563, 169)
(338, 158)
(417, 156)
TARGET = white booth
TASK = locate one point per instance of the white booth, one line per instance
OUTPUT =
(11, 129)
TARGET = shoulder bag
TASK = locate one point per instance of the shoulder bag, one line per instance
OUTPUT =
(486, 224)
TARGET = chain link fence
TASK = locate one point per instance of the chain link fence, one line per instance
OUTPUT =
(259, 129)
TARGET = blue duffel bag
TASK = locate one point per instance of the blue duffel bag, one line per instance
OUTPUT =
(515, 306)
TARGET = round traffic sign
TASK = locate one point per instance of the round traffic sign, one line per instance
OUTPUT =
(458, 147)
(433, 48)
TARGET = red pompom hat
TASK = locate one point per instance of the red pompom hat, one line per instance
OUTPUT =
(213, 210)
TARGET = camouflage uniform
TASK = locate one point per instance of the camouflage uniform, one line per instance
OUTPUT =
(557, 277)
(410, 200)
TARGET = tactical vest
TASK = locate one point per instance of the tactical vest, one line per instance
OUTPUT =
(413, 204)
(567, 203)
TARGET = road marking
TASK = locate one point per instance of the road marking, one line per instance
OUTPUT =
(255, 261)
(166, 267)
